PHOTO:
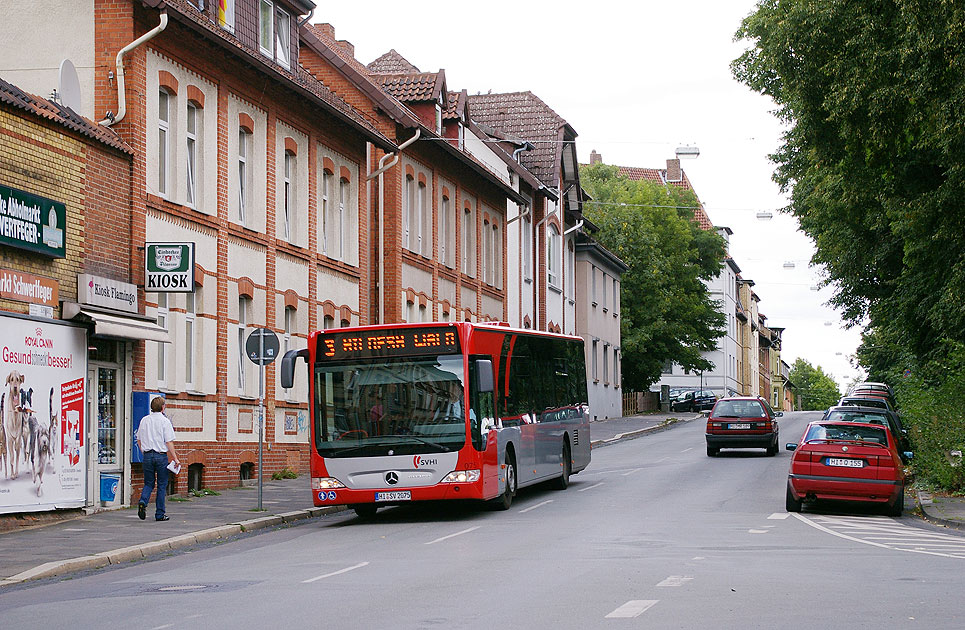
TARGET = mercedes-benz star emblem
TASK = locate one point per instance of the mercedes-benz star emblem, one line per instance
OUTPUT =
(844, 448)
(391, 478)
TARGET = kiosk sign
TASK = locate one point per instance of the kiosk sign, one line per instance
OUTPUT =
(169, 267)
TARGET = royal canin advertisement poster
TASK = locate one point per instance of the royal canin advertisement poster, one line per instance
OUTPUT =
(43, 450)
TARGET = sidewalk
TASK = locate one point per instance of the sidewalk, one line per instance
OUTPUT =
(117, 536)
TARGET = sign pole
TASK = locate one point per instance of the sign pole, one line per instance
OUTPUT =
(261, 414)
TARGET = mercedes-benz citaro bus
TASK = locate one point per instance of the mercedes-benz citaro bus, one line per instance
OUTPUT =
(419, 412)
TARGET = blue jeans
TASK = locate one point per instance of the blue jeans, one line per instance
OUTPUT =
(155, 467)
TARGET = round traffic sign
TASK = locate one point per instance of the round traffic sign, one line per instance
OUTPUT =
(262, 354)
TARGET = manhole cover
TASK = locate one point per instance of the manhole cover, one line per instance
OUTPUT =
(182, 587)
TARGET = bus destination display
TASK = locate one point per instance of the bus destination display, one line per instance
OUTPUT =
(401, 342)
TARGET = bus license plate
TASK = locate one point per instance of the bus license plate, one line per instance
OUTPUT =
(739, 425)
(846, 463)
(401, 495)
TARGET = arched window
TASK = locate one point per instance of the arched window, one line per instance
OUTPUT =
(553, 256)
(164, 103)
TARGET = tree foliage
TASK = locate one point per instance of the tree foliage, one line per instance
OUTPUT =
(667, 312)
(813, 389)
(873, 94)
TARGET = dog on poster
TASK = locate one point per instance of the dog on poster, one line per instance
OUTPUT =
(13, 424)
(52, 430)
(39, 449)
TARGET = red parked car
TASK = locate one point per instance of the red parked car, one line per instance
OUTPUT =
(742, 422)
(847, 461)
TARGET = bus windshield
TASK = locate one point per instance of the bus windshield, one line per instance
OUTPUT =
(390, 407)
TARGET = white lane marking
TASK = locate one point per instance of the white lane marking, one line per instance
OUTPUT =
(167, 625)
(194, 616)
(340, 571)
(632, 608)
(75, 529)
(778, 516)
(698, 558)
(596, 485)
(630, 472)
(687, 449)
(662, 459)
(757, 531)
(828, 530)
(533, 507)
(676, 580)
(465, 531)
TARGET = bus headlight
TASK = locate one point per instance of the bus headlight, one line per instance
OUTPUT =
(326, 483)
(462, 476)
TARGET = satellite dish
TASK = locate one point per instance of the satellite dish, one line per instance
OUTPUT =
(69, 86)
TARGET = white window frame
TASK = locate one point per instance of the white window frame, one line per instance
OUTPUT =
(468, 244)
(407, 203)
(594, 361)
(527, 238)
(190, 323)
(164, 141)
(593, 284)
(162, 357)
(496, 255)
(327, 178)
(421, 217)
(229, 16)
(553, 257)
(283, 40)
(290, 323)
(438, 119)
(603, 297)
(445, 228)
(328, 322)
(340, 223)
(484, 251)
(266, 38)
(191, 125)
(244, 174)
(288, 190)
(606, 364)
(244, 303)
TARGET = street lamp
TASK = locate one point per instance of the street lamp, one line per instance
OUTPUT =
(687, 152)
(764, 215)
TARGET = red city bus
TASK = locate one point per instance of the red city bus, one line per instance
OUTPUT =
(419, 412)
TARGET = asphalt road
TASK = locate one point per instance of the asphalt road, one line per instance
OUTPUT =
(653, 534)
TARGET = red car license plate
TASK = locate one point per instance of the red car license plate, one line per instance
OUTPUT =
(846, 463)
(739, 425)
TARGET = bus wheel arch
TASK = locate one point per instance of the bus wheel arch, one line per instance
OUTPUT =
(503, 501)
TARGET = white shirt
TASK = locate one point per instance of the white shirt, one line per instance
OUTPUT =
(155, 432)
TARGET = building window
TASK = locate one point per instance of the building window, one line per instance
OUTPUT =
(266, 26)
(445, 232)
(423, 314)
(190, 317)
(327, 178)
(593, 284)
(192, 123)
(603, 288)
(283, 41)
(484, 252)
(328, 322)
(438, 119)
(244, 174)
(340, 221)
(616, 367)
(593, 360)
(408, 203)
(616, 296)
(162, 357)
(287, 337)
(421, 215)
(244, 305)
(606, 363)
(163, 145)
(497, 251)
(527, 239)
(553, 257)
(226, 14)
(468, 232)
(289, 193)
(570, 274)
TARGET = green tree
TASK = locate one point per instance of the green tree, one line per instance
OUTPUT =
(814, 389)
(667, 312)
(873, 96)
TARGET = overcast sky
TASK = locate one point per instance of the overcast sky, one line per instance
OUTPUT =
(635, 80)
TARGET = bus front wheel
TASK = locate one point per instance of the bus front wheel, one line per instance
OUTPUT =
(365, 510)
(505, 500)
(566, 463)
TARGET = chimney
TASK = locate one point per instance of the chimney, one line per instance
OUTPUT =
(347, 47)
(595, 158)
(326, 29)
(673, 171)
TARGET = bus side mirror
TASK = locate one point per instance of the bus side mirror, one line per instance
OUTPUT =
(287, 375)
(484, 375)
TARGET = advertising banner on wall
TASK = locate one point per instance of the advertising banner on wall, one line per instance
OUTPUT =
(43, 454)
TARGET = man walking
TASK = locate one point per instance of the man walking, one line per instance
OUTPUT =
(155, 437)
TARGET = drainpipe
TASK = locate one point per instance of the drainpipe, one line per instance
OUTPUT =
(574, 228)
(379, 172)
(119, 63)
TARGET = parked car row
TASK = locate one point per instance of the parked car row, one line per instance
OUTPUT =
(692, 400)
(857, 452)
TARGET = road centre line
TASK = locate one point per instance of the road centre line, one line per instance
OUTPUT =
(340, 571)
(757, 531)
(465, 531)
(828, 530)
(533, 507)
(687, 449)
(633, 608)
(630, 472)
(676, 580)
(596, 485)
(778, 516)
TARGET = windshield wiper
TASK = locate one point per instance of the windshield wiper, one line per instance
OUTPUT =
(410, 436)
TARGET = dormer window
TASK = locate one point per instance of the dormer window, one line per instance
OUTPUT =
(266, 26)
(283, 40)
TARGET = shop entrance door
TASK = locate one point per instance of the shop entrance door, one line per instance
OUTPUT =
(107, 441)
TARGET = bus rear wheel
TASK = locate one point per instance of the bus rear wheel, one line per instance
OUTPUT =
(365, 510)
(567, 465)
(503, 501)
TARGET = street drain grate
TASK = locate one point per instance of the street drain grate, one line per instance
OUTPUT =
(182, 588)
